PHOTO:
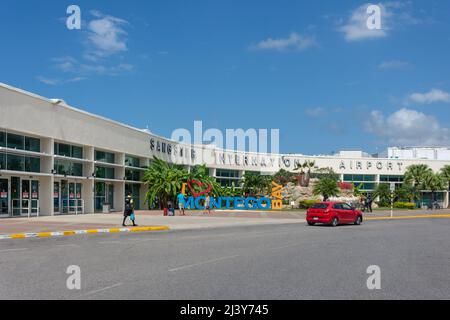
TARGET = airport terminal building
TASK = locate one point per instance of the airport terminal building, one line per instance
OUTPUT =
(56, 159)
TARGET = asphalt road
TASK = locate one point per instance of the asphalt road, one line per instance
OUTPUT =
(260, 262)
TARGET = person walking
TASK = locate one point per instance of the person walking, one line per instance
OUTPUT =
(129, 211)
(208, 203)
(181, 203)
(369, 201)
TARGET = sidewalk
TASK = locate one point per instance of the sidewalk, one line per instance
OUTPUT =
(192, 220)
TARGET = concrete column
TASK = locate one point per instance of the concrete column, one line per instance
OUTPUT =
(88, 190)
(446, 199)
(87, 193)
(46, 196)
(119, 196)
(142, 197)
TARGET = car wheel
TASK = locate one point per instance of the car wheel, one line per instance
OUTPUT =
(311, 223)
(334, 222)
(358, 220)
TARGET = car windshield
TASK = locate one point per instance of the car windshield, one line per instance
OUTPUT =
(320, 206)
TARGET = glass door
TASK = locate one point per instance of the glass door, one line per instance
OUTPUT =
(72, 199)
(56, 198)
(34, 204)
(4, 197)
(15, 196)
(110, 195)
(65, 196)
(25, 197)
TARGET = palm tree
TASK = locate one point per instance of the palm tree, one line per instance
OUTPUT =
(433, 182)
(383, 192)
(407, 192)
(415, 174)
(201, 173)
(256, 184)
(305, 169)
(445, 171)
(327, 188)
(283, 177)
(164, 181)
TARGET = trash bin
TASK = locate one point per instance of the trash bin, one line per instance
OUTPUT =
(165, 211)
(106, 208)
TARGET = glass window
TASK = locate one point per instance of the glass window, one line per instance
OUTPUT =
(15, 163)
(77, 169)
(15, 141)
(63, 150)
(132, 161)
(104, 157)
(2, 161)
(2, 139)
(320, 206)
(32, 144)
(105, 173)
(77, 152)
(32, 164)
(132, 175)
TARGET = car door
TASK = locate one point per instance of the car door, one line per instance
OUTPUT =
(337, 208)
(348, 213)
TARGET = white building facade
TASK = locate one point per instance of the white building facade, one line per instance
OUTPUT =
(56, 159)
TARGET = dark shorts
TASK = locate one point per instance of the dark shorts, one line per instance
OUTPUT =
(127, 213)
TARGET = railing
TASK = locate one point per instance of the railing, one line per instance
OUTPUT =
(76, 206)
(31, 207)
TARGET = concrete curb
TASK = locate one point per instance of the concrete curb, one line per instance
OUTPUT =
(79, 232)
(424, 216)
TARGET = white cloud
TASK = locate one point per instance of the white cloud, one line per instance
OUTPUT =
(435, 95)
(106, 35)
(295, 42)
(69, 64)
(393, 14)
(315, 112)
(57, 82)
(393, 64)
(51, 82)
(408, 127)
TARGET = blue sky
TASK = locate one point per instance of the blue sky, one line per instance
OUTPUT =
(309, 68)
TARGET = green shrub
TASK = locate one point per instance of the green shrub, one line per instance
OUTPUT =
(306, 204)
(405, 205)
(383, 204)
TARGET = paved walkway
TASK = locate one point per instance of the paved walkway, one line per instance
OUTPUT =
(192, 220)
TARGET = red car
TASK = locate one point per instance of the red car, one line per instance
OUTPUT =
(333, 213)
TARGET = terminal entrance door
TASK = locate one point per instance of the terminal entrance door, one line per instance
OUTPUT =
(4, 197)
(67, 197)
(24, 197)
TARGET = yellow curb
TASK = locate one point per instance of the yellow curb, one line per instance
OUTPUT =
(44, 234)
(18, 236)
(78, 232)
(432, 216)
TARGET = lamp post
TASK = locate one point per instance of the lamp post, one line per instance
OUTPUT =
(392, 187)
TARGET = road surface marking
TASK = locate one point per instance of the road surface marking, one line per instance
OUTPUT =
(202, 263)
(100, 290)
(285, 246)
(14, 250)
(68, 245)
(422, 216)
